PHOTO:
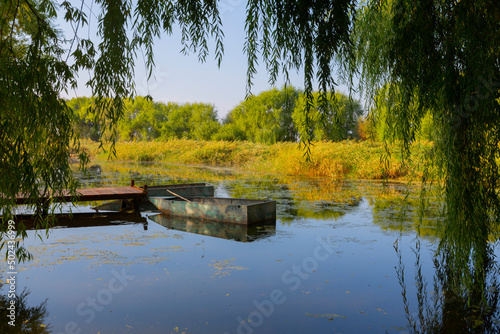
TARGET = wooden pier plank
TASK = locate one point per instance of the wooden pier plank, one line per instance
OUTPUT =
(95, 194)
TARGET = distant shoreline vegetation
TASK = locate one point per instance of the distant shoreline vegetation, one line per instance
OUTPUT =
(273, 116)
(261, 134)
(333, 160)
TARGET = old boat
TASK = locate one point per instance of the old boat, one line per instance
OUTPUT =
(229, 210)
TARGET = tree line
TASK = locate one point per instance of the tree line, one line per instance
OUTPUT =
(275, 115)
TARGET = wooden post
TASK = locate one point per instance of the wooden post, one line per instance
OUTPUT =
(132, 183)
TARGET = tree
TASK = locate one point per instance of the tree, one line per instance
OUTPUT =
(229, 131)
(442, 58)
(337, 122)
(142, 119)
(190, 121)
(36, 124)
(387, 99)
(264, 118)
(84, 122)
(204, 123)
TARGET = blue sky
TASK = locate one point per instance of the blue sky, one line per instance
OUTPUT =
(181, 78)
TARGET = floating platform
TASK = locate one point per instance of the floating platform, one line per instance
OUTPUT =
(93, 194)
(229, 210)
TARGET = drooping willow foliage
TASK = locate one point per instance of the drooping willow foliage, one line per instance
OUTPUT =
(301, 35)
(35, 123)
(37, 64)
(439, 57)
(443, 57)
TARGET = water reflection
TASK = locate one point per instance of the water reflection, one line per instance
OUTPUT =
(236, 232)
(400, 213)
(306, 198)
(351, 292)
(25, 319)
(311, 199)
(86, 219)
(456, 303)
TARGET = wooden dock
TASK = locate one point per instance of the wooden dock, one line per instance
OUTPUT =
(95, 194)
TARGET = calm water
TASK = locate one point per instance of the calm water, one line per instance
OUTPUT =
(327, 266)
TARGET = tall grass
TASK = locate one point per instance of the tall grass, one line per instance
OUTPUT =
(333, 160)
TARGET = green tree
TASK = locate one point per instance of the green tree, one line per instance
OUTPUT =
(229, 131)
(384, 116)
(337, 122)
(142, 120)
(190, 121)
(84, 121)
(36, 124)
(204, 122)
(264, 118)
(441, 58)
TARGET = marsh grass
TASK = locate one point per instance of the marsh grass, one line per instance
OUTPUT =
(331, 160)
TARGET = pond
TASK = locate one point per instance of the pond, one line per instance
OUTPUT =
(342, 257)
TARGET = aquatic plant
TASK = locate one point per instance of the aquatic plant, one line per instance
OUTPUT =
(332, 160)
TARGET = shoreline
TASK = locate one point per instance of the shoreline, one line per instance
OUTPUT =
(359, 160)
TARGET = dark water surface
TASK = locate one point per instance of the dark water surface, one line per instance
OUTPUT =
(327, 266)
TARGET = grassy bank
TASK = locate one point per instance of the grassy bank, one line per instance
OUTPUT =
(335, 160)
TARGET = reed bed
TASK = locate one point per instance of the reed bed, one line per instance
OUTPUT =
(332, 160)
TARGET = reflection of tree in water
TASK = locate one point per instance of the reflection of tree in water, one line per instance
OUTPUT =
(91, 177)
(308, 199)
(404, 212)
(464, 300)
(28, 319)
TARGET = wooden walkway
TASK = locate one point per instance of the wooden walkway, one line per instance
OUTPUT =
(96, 194)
